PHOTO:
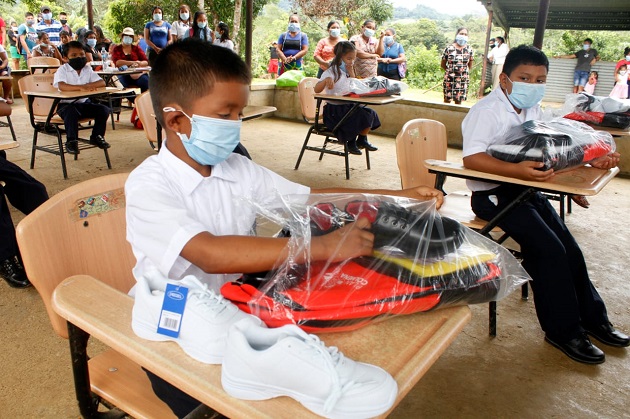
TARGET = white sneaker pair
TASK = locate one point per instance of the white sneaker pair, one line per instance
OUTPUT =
(204, 323)
(264, 363)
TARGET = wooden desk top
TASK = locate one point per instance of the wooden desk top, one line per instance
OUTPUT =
(405, 346)
(378, 100)
(615, 132)
(6, 77)
(8, 144)
(117, 72)
(253, 111)
(52, 94)
(584, 180)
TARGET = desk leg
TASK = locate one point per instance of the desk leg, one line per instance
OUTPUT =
(111, 110)
(440, 178)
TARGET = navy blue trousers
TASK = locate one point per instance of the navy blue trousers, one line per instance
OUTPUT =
(73, 112)
(566, 301)
(25, 193)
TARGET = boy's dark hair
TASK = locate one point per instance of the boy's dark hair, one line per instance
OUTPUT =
(187, 70)
(28, 14)
(70, 45)
(524, 55)
(589, 40)
(64, 32)
(626, 51)
(502, 39)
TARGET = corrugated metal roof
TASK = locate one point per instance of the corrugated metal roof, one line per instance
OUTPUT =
(602, 15)
(560, 78)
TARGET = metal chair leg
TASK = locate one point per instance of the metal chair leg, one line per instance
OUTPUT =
(11, 128)
(308, 135)
(345, 157)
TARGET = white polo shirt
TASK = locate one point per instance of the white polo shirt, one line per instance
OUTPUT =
(487, 123)
(498, 54)
(69, 75)
(168, 203)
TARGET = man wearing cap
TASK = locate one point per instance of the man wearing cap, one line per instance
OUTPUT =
(128, 54)
(50, 26)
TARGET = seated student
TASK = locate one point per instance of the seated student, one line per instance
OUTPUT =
(567, 304)
(65, 38)
(45, 48)
(335, 80)
(77, 75)
(130, 55)
(181, 215)
(90, 47)
(5, 70)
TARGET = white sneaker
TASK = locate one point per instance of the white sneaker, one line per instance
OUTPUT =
(205, 321)
(264, 363)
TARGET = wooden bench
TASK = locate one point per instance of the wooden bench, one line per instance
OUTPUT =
(405, 346)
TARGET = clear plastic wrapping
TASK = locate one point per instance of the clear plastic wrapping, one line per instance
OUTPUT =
(596, 110)
(375, 86)
(421, 261)
(558, 144)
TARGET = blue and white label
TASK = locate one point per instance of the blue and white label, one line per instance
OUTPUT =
(172, 310)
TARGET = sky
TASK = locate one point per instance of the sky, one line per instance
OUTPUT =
(453, 7)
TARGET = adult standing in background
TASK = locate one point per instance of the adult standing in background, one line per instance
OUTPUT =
(27, 36)
(200, 28)
(156, 34)
(180, 29)
(586, 57)
(272, 66)
(14, 45)
(457, 60)
(369, 50)
(497, 58)
(63, 19)
(49, 25)
(292, 46)
(324, 51)
(222, 36)
(393, 56)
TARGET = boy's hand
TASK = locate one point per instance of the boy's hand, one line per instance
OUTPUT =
(606, 162)
(528, 170)
(352, 240)
(425, 193)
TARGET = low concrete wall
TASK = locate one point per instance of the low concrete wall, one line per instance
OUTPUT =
(393, 116)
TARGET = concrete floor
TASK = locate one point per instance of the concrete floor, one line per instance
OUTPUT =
(515, 374)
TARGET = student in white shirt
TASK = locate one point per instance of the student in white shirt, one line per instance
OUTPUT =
(180, 29)
(567, 304)
(222, 36)
(78, 75)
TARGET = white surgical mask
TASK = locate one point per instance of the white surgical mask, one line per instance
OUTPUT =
(47, 16)
(627, 57)
(622, 72)
(526, 95)
(389, 40)
(157, 17)
(30, 22)
(202, 25)
(461, 40)
(586, 47)
(368, 32)
(211, 140)
(335, 33)
(91, 42)
(184, 16)
(294, 27)
(217, 35)
(127, 40)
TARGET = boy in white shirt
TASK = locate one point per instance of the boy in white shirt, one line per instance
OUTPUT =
(567, 304)
(77, 75)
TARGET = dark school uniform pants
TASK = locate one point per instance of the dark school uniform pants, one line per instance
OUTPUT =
(566, 301)
(25, 193)
(73, 112)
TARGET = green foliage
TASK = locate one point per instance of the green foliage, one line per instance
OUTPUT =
(423, 66)
(423, 31)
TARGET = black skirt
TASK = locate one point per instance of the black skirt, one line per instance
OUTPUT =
(360, 119)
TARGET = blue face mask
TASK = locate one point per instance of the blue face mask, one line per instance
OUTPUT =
(369, 32)
(211, 140)
(335, 33)
(526, 95)
(461, 40)
(157, 17)
(202, 25)
(47, 16)
(586, 47)
(294, 27)
(342, 67)
(91, 42)
(389, 40)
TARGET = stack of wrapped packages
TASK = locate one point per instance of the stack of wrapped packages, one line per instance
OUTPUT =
(421, 261)
(601, 111)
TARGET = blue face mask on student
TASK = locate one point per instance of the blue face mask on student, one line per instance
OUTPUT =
(211, 140)
(526, 95)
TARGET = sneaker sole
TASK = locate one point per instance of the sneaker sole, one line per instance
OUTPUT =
(247, 390)
(214, 356)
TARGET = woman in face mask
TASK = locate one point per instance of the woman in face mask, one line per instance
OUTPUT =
(200, 27)
(156, 34)
(130, 55)
(324, 52)
(292, 46)
(222, 36)
(181, 27)
(369, 50)
(392, 63)
(44, 48)
(457, 60)
(91, 52)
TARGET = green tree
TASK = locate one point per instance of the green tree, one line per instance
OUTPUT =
(422, 32)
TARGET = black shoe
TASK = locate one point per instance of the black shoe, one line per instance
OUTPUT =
(608, 335)
(72, 147)
(353, 149)
(362, 142)
(13, 272)
(100, 142)
(580, 349)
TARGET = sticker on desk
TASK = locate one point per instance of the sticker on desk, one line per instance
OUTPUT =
(172, 310)
(98, 204)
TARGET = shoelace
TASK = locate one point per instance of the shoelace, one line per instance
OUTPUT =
(332, 357)
(209, 299)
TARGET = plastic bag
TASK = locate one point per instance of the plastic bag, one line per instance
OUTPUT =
(421, 262)
(290, 78)
(375, 86)
(596, 110)
(559, 143)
